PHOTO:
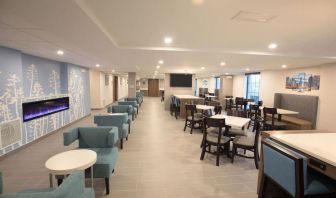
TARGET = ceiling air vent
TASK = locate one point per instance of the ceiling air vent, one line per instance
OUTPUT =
(253, 17)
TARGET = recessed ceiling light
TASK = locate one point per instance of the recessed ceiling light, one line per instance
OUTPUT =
(202, 67)
(198, 2)
(272, 46)
(97, 65)
(158, 67)
(156, 72)
(284, 66)
(213, 75)
(226, 73)
(168, 40)
(60, 52)
(247, 69)
(223, 63)
(113, 70)
(161, 62)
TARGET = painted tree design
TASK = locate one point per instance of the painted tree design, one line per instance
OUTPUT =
(54, 81)
(76, 91)
(32, 76)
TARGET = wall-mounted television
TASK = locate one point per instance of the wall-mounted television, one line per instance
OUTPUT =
(37, 109)
(181, 80)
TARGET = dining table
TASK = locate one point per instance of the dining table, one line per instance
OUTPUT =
(281, 112)
(233, 121)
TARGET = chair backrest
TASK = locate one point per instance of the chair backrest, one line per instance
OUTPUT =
(254, 110)
(270, 111)
(237, 113)
(241, 104)
(133, 103)
(97, 137)
(218, 109)
(215, 123)
(260, 103)
(285, 167)
(120, 109)
(72, 187)
(190, 110)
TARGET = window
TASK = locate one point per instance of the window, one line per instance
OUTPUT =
(217, 82)
(252, 86)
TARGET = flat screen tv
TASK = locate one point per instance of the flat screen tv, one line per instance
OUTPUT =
(37, 109)
(181, 80)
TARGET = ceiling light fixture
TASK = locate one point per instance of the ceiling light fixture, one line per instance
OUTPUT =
(158, 67)
(97, 65)
(222, 63)
(247, 69)
(161, 62)
(272, 46)
(60, 52)
(113, 70)
(226, 73)
(202, 67)
(284, 66)
(168, 40)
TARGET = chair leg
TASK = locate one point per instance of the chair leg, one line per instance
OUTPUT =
(233, 153)
(107, 185)
(121, 143)
(126, 138)
(248, 126)
(218, 154)
(192, 127)
(129, 128)
(185, 125)
(203, 150)
(256, 158)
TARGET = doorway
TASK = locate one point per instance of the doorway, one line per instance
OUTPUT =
(153, 87)
(115, 88)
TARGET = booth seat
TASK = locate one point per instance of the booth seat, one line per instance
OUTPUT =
(116, 120)
(102, 140)
(72, 187)
(296, 123)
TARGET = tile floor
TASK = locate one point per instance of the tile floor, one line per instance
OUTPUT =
(158, 160)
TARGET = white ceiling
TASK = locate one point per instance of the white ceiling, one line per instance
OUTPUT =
(127, 35)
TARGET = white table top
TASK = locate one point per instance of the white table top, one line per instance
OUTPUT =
(284, 111)
(186, 97)
(319, 145)
(68, 161)
(210, 96)
(233, 121)
(204, 107)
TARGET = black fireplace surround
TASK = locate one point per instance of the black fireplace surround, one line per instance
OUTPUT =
(37, 109)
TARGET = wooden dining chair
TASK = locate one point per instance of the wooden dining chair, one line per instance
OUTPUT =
(241, 104)
(229, 104)
(253, 113)
(218, 109)
(270, 121)
(250, 142)
(174, 106)
(214, 136)
(192, 117)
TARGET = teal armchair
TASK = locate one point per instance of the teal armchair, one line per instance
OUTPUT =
(134, 99)
(102, 140)
(122, 109)
(116, 120)
(133, 103)
(72, 187)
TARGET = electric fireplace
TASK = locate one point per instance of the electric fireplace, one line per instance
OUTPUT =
(37, 109)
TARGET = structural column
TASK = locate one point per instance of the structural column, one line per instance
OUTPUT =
(131, 84)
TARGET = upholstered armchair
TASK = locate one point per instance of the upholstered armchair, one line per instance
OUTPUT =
(117, 120)
(133, 103)
(102, 140)
(134, 99)
(139, 96)
(122, 109)
(72, 187)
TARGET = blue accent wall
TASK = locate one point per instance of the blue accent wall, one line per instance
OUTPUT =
(26, 78)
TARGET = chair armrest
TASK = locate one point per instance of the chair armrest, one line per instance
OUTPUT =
(70, 136)
(112, 137)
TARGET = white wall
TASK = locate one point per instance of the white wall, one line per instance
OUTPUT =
(238, 86)
(210, 84)
(122, 87)
(143, 84)
(274, 82)
(100, 93)
(161, 84)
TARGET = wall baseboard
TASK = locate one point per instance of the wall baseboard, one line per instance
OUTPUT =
(6, 155)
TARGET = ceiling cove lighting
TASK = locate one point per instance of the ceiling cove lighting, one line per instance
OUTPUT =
(284, 66)
(223, 63)
(97, 65)
(60, 52)
(168, 40)
(161, 62)
(158, 67)
(272, 46)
